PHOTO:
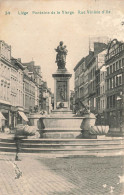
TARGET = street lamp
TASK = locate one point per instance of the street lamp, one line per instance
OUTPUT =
(119, 99)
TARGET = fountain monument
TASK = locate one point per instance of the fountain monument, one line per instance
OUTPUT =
(62, 123)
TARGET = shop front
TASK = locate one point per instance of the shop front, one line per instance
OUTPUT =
(2, 122)
(21, 116)
(13, 117)
(5, 111)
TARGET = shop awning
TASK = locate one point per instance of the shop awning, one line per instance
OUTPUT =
(22, 114)
(2, 117)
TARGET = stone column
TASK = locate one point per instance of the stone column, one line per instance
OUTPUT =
(68, 93)
(55, 93)
(14, 118)
(9, 118)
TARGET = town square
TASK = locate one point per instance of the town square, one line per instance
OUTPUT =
(61, 98)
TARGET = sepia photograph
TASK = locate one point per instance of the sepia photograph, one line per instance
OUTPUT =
(61, 97)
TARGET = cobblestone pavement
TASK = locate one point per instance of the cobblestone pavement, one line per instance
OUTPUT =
(35, 175)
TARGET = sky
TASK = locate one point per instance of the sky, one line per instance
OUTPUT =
(35, 36)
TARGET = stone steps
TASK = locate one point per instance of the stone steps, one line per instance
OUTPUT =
(7, 140)
(63, 151)
(64, 146)
(107, 140)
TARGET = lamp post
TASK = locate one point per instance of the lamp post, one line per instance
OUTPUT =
(119, 100)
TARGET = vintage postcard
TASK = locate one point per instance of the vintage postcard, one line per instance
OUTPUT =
(61, 97)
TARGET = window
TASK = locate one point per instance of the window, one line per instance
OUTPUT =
(94, 71)
(122, 61)
(120, 79)
(107, 102)
(91, 74)
(103, 103)
(110, 83)
(94, 85)
(97, 79)
(116, 65)
(91, 85)
(103, 75)
(107, 70)
(107, 84)
(113, 100)
(119, 64)
(116, 81)
(110, 101)
(110, 69)
(99, 105)
(99, 91)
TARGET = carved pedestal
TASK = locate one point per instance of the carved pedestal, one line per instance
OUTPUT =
(61, 90)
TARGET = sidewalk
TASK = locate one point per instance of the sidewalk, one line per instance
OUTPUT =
(30, 177)
(34, 175)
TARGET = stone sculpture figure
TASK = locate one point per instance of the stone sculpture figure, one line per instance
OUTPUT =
(81, 109)
(61, 55)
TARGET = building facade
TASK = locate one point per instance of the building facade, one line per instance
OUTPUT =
(115, 86)
(5, 83)
(21, 90)
(93, 65)
(35, 72)
(85, 77)
(46, 98)
(101, 100)
(90, 83)
(29, 88)
(17, 110)
(102, 89)
(81, 80)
